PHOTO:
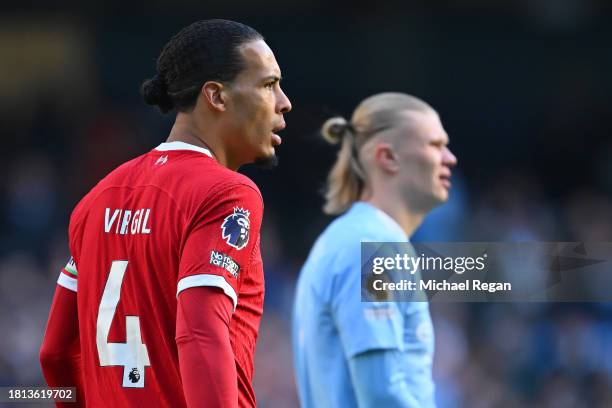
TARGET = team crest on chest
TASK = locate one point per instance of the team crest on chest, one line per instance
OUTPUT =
(235, 228)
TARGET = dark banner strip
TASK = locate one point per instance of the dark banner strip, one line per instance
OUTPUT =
(487, 272)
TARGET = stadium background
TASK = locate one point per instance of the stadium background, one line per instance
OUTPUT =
(523, 88)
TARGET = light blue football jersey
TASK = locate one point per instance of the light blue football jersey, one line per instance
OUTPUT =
(331, 324)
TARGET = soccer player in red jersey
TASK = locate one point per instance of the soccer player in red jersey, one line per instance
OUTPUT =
(165, 249)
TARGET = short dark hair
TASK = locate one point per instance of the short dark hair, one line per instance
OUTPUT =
(203, 51)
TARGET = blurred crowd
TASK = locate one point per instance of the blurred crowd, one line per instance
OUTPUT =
(542, 175)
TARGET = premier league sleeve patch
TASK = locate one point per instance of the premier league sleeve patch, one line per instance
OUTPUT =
(235, 228)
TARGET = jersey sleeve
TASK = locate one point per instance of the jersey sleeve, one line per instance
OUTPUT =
(362, 326)
(68, 276)
(60, 353)
(380, 378)
(204, 348)
(221, 243)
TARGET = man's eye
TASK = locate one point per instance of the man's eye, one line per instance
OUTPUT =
(269, 85)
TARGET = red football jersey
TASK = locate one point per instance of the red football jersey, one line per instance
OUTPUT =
(164, 222)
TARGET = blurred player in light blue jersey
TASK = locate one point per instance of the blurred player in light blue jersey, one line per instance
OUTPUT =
(394, 166)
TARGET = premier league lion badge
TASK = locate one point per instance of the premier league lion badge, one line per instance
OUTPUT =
(235, 228)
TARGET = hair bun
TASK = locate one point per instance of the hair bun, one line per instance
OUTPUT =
(155, 92)
(334, 129)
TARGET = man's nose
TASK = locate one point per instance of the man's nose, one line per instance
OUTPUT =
(450, 159)
(284, 104)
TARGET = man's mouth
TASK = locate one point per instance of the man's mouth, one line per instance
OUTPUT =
(276, 139)
(445, 179)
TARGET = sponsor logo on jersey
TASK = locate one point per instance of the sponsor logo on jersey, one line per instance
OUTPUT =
(224, 261)
(161, 160)
(235, 228)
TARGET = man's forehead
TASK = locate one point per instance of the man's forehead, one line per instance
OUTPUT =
(426, 124)
(258, 56)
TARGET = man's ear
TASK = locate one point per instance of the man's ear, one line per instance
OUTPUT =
(386, 158)
(214, 94)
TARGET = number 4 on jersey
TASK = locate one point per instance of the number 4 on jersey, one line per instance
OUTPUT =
(132, 354)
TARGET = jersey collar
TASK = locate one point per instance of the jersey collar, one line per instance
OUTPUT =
(167, 146)
(383, 218)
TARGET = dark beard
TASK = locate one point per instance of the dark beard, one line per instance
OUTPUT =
(267, 163)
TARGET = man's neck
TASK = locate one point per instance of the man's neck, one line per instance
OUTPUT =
(393, 205)
(188, 130)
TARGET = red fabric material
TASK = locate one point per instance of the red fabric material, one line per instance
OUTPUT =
(164, 213)
(206, 358)
(60, 353)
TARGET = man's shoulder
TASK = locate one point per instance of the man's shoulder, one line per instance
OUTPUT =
(209, 177)
(352, 229)
(194, 177)
(337, 247)
(340, 243)
(110, 180)
(233, 179)
(189, 179)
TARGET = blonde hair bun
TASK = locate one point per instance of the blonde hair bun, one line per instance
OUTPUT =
(334, 128)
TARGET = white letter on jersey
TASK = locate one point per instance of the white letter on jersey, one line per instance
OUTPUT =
(127, 214)
(146, 230)
(109, 223)
(135, 222)
(117, 229)
(132, 354)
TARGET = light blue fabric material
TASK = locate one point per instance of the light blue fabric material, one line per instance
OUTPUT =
(331, 325)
